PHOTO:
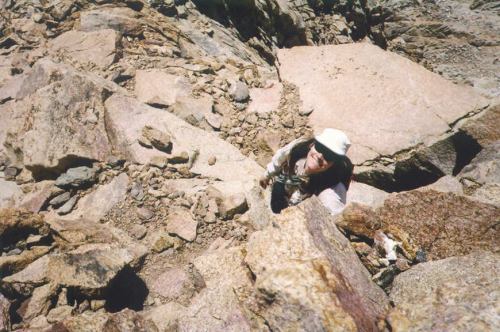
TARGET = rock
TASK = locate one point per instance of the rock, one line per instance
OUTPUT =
(60, 313)
(144, 213)
(37, 199)
(439, 224)
(98, 203)
(16, 224)
(10, 173)
(193, 110)
(138, 231)
(156, 87)
(128, 320)
(137, 192)
(212, 160)
(15, 263)
(9, 191)
(121, 19)
(484, 128)
(60, 199)
(182, 224)
(60, 134)
(265, 100)
(239, 92)
(4, 314)
(89, 269)
(39, 303)
(77, 177)
(88, 320)
(330, 284)
(485, 167)
(214, 120)
(420, 108)
(159, 161)
(179, 158)
(68, 206)
(364, 194)
(174, 284)
(156, 138)
(448, 295)
(231, 164)
(162, 242)
(165, 316)
(234, 204)
(96, 47)
(447, 183)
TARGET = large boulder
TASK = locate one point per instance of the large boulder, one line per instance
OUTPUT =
(453, 294)
(96, 48)
(331, 288)
(439, 224)
(231, 165)
(385, 103)
(67, 126)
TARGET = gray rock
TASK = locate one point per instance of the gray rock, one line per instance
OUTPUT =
(239, 92)
(137, 192)
(121, 19)
(77, 177)
(68, 206)
(145, 213)
(457, 293)
(60, 199)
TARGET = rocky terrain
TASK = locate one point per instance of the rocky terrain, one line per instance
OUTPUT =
(133, 133)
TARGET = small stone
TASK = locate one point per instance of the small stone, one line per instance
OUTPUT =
(239, 92)
(251, 118)
(214, 120)
(68, 206)
(163, 242)
(159, 140)
(182, 224)
(305, 111)
(59, 313)
(232, 205)
(158, 161)
(144, 213)
(212, 160)
(180, 158)
(10, 173)
(77, 177)
(97, 304)
(157, 193)
(138, 231)
(60, 199)
(136, 192)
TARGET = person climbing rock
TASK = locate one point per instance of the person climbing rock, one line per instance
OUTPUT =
(311, 166)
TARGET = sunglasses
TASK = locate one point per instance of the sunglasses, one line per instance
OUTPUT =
(327, 153)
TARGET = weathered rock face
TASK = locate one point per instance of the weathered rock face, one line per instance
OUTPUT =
(159, 88)
(456, 39)
(440, 224)
(122, 19)
(457, 293)
(330, 286)
(414, 108)
(8, 193)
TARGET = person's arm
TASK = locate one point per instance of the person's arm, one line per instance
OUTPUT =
(279, 158)
(334, 198)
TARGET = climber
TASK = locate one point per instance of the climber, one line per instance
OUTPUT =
(315, 166)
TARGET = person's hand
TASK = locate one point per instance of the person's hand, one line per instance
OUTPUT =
(264, 182)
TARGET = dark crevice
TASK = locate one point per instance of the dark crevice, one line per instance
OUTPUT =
(126, 290)
(41, 173)
(467, 148)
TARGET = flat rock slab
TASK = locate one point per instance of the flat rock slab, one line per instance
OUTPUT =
(304, 264)
(182, 224)
(8, 192)
(95, 205)
(95, 47)
(157, 87)
(231, 165)
(384, 102)
(453, 294)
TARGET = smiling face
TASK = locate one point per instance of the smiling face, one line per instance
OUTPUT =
(316, 162)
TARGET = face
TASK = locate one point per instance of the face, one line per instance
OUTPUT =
(316, 162)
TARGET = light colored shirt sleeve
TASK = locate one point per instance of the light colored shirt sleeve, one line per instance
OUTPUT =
(274, 167)
(334, 198)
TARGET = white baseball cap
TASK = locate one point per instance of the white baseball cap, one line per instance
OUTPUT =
(335, 140)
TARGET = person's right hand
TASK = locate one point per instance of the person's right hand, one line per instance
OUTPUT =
(264, 182)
